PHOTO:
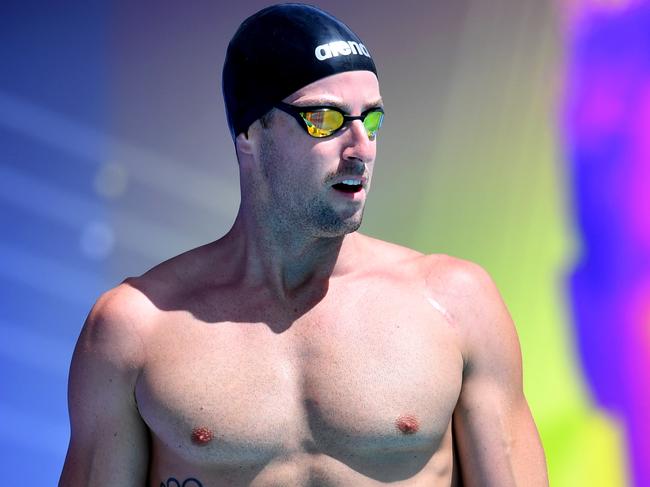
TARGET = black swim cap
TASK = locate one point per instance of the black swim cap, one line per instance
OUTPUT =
(279, 50)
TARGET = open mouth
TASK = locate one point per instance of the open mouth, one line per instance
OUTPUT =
(349, 186)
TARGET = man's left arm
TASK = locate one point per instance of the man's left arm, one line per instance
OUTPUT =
(498, 443)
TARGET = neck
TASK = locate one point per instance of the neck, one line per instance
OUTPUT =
(286, 259)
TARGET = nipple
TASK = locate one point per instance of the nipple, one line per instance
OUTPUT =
(407, 424)
(201, 436)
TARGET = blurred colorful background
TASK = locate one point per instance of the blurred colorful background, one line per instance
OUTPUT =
(517, 136)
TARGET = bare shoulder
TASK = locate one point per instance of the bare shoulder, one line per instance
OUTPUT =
(461, 290)
(380, 254)
(116, 325)
(124, 300)
(466, 280)
(441, 272)
(471, 297)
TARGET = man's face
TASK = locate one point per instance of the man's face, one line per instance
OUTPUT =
(303, 173)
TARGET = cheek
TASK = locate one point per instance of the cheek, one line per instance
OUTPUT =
(292, 177)
(297, 165)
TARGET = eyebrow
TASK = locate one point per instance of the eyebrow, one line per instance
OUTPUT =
(326, 102)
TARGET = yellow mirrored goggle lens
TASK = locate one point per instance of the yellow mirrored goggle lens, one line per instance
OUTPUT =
(322, 123)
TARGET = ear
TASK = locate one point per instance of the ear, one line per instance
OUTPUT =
(244, 143)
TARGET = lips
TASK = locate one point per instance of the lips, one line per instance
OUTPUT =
(350, 184)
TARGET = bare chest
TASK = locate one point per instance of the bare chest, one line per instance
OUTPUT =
(376, 382)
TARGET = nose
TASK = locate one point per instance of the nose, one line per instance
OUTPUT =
(358, 145)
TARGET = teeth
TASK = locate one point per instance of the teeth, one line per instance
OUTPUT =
(351, 182)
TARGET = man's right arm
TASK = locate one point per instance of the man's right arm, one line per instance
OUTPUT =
(108, 440)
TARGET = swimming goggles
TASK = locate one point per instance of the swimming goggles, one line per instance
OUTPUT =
(322, 121)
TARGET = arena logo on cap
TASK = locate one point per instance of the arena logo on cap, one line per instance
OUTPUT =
(340, 48)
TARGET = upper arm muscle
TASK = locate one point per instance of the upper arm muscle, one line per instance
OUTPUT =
(497, 439)
(109, 442)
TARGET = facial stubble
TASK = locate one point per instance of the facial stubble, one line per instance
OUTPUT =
(289, 205)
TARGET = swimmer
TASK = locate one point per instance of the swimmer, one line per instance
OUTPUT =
(295, 351)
